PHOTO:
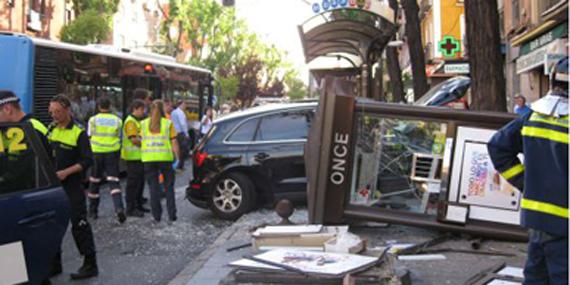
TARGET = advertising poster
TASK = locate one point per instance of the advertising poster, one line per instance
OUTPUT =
(481, 184)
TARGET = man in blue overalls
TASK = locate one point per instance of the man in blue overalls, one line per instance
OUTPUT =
(542, 136)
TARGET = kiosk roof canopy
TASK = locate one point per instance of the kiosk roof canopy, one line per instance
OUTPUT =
(350, 31)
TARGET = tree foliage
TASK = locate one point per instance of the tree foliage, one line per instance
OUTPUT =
(108, 7)
(92, 23)
(90, 27)
(211, 36)
(297, 88)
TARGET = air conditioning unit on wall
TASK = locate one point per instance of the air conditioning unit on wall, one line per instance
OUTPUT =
(34, 21)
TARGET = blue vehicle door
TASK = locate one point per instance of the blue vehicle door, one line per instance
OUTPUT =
(34, 210)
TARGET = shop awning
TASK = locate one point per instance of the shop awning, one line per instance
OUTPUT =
(345, 31)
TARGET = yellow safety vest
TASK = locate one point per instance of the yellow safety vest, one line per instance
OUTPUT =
(105, 132)
(129, 150)
(65, 136)
(38, 126)
(156, 147)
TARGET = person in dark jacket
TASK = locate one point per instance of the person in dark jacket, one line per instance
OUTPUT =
(11, 111)
(541, 136)
(73, 157)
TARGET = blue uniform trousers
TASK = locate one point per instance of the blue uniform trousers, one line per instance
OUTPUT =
(547, 260)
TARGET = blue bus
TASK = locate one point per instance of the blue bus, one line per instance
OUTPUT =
(38, 69)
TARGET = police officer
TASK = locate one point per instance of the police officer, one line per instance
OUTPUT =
(11, 111)
(72, 156)
(105, 136)
(542, 136)
(131, 153)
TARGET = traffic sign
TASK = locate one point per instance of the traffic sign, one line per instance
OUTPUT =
(316, 8)
(326, 5)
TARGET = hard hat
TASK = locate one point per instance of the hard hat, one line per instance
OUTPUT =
(555, 102)
(559, 77)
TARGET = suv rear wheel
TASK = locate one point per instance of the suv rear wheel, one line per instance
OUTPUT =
(233, 195)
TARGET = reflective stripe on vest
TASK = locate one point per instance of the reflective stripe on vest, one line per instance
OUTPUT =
(513, 171)
(156, 147)
(560, 122)
(544, 207)
(38, 126)
(105, 133)
(544, 133)
(130, 151)
(65, 136)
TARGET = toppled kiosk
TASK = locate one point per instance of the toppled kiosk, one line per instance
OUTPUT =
(411, 165)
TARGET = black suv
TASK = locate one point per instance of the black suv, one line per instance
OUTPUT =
(252, 157)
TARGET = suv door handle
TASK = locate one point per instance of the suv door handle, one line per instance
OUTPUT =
(261, 156)
(37, 219)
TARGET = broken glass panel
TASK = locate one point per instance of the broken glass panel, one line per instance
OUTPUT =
(397, 163)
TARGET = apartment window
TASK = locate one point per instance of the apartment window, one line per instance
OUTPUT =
(36, 14)
(38, 6)
(516, 12)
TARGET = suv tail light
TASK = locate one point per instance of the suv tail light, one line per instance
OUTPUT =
(199, 158)
(458, 104)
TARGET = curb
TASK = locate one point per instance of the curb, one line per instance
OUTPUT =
(195, 265)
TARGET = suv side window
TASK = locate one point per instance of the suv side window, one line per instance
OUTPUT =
(292, 125)
(245, 132)
(20, 167)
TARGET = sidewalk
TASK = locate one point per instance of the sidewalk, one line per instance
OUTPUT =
(211, 266)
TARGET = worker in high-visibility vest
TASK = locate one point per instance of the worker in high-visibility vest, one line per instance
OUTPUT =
(131, 154)
(542, 136)
(72, 157)
(160, 155)
(104, 131)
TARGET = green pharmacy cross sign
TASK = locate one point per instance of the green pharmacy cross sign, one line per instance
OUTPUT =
(449, 46)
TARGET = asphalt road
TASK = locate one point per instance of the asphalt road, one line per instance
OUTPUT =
(138, 252)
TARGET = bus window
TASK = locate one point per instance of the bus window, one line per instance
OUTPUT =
(85, 74)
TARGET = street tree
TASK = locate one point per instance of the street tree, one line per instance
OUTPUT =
(92, 23)
(206, 33)
(248, 71)
(89, 28)
(211, 36)
(296, 88)
(484, 53)
(414, 40)
(394, 70)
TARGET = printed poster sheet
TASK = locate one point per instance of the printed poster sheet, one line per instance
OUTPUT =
(481, 184)
(323, 263)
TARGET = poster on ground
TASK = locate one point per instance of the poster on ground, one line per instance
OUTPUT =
(321, 263)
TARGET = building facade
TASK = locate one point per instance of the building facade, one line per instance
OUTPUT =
(38, 18)
(136, 25)
(443, 39)
(536, 33)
